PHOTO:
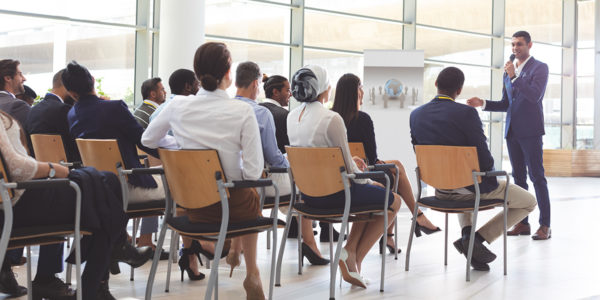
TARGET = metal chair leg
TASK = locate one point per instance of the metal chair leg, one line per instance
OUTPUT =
(505, 228)
(68, 275)
(446, 241)
(282, 248)
(300, 257)
(136, 222)
(155, 260)
(29, 283)
(396, 237)
(410, 236)
(172, 255)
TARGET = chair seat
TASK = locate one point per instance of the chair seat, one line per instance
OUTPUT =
(146, 208)
(270, 201)
(325, 213)
(184, 227)
(451, 206)
(41, 235)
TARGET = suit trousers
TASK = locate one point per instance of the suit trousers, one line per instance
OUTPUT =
(526, 155)
(520, 204)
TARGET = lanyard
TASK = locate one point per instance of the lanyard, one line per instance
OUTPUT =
(445, 97)
(150, 103)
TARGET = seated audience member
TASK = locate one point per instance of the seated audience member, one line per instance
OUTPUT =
(11, 84)
(234, 133)
(101, 213)
(182, 82)
(313, 125)
(442, 121)
(247, 82)
(154, 95)
(359, 126)
(93, 118)
(50, 117)
(28, 95)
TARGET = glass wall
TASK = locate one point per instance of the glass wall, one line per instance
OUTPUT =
(585, 75)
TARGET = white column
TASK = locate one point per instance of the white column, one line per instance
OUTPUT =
(297, 38)
(569, 74)
(409, 32)
(597, 76)
(181, 33)
(59, 53)
(496, 132)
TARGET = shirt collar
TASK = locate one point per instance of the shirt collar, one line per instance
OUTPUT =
(216, 93)
(269, 100)
(247, 100)
(152, 103)
(57, 96)
(521, 66)
(8, 93)
(444, 97)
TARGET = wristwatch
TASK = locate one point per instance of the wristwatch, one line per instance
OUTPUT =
(51, 172)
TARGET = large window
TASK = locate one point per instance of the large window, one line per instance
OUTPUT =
(585, 75)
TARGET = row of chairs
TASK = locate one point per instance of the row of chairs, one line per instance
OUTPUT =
(193, 179)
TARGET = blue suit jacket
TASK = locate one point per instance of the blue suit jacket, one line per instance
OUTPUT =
(445, 122)
(94, 118)
(524, 114)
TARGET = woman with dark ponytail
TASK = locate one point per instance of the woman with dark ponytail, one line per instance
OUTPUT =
(212, 120)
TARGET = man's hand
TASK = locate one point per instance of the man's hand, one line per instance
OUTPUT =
(360, 163)
(509, 67)
(475, 102)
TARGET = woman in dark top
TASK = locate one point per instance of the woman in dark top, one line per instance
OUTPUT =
(348, 99)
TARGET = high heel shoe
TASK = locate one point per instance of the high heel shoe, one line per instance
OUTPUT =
(197, 248)
(233, 260)
(184, 265)
(419, 228)
(389, 247)
(351, 277)
(312, 256)
(253, 291)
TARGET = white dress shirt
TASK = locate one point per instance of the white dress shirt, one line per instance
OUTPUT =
(320, 127)
(212, 120)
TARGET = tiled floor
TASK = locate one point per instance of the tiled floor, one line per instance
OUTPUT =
(565, 267)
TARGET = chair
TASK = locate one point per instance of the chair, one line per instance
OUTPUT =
(50, 147)
(358, 149)
(319, 172)
(193, 179)
(269, 202)
(452, 167)
(38, 235)
(104, 155)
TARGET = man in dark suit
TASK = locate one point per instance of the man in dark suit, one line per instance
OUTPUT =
(50, 117)
(442, 121)
(522, 96)
(11, 84)
(277, 90)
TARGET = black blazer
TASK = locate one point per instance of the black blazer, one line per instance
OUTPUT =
(50, 117)
(445, 122)
(280, 117)
(94, 118)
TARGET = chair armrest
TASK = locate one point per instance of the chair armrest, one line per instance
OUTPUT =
(71, 164)
(276, 170)
(40, 183)
(147, 171)
(495, 173)
(251, 183)
(369, 175)
(142, 156)
(382, 167)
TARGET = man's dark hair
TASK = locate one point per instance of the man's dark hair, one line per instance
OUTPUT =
(179, 79)
(274, 82)
(524, 34)
(149, 86)
(246, 73)
(29, 92)
(57, 79)
(8, 67)
(76, 78)
(450, 80)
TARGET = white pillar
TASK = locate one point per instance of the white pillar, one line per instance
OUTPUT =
(597, 76)
(181, 33)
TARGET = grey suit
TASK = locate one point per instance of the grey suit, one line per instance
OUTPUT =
(16, 108)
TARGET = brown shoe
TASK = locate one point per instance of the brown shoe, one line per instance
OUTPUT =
(520, 229)
(543, 233)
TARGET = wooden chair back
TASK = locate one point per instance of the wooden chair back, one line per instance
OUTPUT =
(48, 147)
(4, 173)
(358, 149)
(316, 171)
(102, 154)
(191, 176)
(447, 167)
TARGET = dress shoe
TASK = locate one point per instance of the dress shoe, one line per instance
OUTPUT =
(543, 233)
(54, 288)
(480, 252)
(351, 277)
(312, 256)
(9, 285)
(164, 255)
(104, 292)
(520, 229)
(130, 255)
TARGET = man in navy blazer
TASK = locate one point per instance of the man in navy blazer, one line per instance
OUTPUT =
(522, 97)
(442, 121)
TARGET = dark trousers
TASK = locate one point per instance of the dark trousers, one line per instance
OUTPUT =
(526, 154)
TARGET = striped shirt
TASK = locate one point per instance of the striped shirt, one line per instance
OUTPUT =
(143, 112)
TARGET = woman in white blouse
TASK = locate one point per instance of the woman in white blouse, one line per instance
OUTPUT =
(313, 125)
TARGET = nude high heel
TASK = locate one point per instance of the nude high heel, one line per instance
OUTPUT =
(233, 259)
(253, 291)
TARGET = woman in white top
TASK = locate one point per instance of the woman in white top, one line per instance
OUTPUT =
(212, 120)
(313, 125)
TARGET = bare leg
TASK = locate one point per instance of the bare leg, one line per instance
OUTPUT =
(352, 244)
(307, 236)
(252, 283)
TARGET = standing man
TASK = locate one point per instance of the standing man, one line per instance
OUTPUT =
(522, 95)
(11, 84)
(154, 94)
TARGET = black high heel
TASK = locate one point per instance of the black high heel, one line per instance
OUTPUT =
(389, 247)
(196, 247)
(184, 265)
(312, 257)
(419, 228)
